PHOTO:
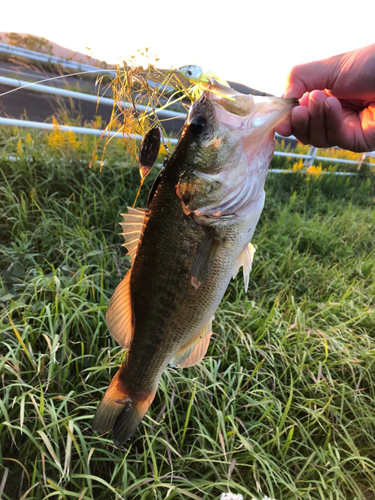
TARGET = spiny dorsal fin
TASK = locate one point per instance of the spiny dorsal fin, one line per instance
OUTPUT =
(119, 315)
(191, 353)
(245, 259)
(133, 226)
(204, 258)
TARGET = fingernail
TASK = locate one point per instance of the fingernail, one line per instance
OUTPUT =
(326, 103)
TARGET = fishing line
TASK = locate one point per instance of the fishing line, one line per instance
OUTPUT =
(155, 124)
(52, 78)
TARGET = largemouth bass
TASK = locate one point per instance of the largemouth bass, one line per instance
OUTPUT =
(186, 245)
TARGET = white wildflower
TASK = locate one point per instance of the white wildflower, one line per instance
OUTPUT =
(231, 496)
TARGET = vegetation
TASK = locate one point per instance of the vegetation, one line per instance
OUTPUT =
(30, 42)
(329, 165)
(44, 46)
(283, 403)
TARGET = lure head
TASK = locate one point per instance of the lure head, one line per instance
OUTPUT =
(191, 72)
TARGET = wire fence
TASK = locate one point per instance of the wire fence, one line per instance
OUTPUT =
(46, 58)
(14, 84)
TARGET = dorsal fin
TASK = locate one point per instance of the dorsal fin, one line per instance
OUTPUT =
(133, 226)
(245, 259)
(119, 315)
(191, 353)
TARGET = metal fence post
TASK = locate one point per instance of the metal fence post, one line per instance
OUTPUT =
(362, 160)
(311, 156)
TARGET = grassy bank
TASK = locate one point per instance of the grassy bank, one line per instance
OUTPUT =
(282, 405)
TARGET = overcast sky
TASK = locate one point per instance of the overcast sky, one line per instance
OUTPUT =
(254, 43)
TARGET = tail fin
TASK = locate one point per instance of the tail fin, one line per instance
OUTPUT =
(121, 409)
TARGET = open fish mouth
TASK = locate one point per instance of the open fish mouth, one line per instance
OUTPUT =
(251, 115)
(231, 100)
(245, 105)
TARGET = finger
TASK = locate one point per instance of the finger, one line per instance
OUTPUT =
(317, 126)
(344, 127)
(368, 127)
(285, 128)
(304, 101)
(336, 134)
(300, 124)
(311, 76)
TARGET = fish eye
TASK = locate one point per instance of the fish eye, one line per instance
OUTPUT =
(188, 72)
(197, 124)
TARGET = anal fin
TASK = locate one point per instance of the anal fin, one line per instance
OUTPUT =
(245, 259)
(191, 353)
(119, 315)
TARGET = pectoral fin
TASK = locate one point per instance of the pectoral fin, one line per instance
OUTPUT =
(204, 258)
(119, 316)
(191, 353)
(245, 259)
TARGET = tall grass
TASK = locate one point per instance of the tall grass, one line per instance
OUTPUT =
(282, 405)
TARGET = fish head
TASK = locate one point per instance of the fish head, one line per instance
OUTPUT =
(229, 144)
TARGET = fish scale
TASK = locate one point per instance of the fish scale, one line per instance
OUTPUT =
(169, 297)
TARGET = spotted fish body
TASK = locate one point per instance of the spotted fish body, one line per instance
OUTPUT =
(186, 246)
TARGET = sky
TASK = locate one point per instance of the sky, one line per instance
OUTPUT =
(254, 43)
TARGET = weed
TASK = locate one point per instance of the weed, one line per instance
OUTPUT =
(282, 405)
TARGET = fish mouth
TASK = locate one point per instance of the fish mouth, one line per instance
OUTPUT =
(240, 104)
(219, 109)
(217, 94)
(201, 118)
(246, 112)
(222, 110)
(232, 101)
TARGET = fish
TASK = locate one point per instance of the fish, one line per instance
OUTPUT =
(186, 245)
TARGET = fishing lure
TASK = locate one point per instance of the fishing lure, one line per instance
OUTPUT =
(148, 153)
(201, 80)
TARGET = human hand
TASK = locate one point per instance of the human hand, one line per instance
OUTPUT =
(337, 101)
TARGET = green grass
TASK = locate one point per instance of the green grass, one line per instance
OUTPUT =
(282, 405)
